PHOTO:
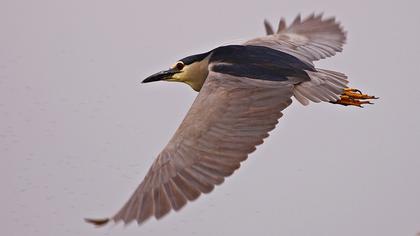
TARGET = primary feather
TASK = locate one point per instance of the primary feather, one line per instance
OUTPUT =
(228, 119)
(310, 39)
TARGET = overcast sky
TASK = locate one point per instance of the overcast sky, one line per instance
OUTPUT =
(78, 131)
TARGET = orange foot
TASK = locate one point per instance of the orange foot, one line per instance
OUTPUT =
(354, 97)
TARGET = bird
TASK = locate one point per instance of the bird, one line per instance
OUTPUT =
(243, 90)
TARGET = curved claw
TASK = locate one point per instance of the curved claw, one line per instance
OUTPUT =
(353, 90)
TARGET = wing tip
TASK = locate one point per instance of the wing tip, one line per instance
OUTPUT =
(297, 19)
(282, 25)
(320, 17)
(268, 28)
(97, 222)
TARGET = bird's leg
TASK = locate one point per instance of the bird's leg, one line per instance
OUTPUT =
(354, 97)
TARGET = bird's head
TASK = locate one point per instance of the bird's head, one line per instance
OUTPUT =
(192, 70)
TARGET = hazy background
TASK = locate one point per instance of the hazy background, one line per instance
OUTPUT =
(78, 131)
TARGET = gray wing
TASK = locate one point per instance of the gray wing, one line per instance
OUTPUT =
(310, 39)
(229, 118)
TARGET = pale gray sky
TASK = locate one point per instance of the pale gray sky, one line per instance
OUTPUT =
(78, 131)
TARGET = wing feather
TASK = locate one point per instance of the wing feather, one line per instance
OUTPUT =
(311, 39)
(175, 197)
(229, 118)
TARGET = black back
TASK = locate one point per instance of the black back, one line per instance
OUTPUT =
(258, 62)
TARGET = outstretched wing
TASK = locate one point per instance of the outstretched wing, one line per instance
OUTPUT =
(229, 118)
(310, 39)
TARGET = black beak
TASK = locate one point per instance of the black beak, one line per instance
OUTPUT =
(163, 75)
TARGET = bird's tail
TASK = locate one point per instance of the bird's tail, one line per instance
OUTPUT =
(324, 86)
(329, 86)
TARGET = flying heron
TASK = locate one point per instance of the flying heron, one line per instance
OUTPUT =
(243, 90)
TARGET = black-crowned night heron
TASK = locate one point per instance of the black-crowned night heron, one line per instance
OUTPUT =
(243, 90)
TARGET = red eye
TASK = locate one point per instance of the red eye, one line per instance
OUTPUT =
(180, 65)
